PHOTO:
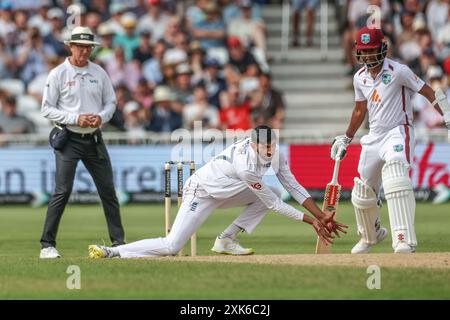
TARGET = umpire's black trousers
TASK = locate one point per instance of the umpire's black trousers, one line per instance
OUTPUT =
(90, 149)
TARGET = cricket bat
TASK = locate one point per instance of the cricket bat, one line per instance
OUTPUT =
(330, 202)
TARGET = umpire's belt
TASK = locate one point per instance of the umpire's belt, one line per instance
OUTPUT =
(89, 135)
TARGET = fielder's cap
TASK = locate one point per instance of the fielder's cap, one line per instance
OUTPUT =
(263, 135)
(55, 13)
(183, 68)
(369, 38)
(234, 42)
(245, 3)
(82, 35)
(162, 93)
(434, 72)
(130, 106)
(128, 20)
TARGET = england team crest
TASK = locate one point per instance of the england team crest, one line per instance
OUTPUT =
(365, 38)
(386, 78)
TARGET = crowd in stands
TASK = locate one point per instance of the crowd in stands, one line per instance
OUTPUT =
(418, 33)
(172, 63)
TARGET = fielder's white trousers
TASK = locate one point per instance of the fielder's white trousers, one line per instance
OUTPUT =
(196, 207)
(397, 144)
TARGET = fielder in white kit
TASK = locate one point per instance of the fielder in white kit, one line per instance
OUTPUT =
(384, 89)
(232, 179)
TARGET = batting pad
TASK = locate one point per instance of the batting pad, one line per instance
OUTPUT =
(401, 202)
(367, 211)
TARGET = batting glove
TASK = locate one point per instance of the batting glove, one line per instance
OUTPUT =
(339, 147)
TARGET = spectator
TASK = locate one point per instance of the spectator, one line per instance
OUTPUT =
(232, 11)
(437, 15)
(104, 53)
(196, 13)
(251, 32)
(268, 103)
(55, 37)
(40, 20)
(144, 51)
(241, 62)
(7, 64)
(297, 7)
(196, 58)
(122, 72)
(154, 21)
(236, 108)
(117, 122)
(37, 85)
(152, 68)
(213, 83)
(172, 30)
(130, 40)
(11, 122)
(20, 34)
(93, 20)
(183, 86)
(31, 56)
(7, 25)
(117, 10)
(211, 31)
(163, 117)
(134, 120)
(200, 110)
(143, 94)
(179, 52)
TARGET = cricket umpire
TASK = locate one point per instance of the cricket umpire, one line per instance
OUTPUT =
(78, 98)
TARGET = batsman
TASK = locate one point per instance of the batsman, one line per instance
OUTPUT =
(383, 89)
(233, 179)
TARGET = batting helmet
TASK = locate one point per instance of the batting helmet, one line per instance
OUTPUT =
(368, 39)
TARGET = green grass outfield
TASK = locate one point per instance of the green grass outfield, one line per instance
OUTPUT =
(24, 276)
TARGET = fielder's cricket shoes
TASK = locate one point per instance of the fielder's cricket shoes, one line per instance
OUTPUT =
(49, 253)
(403, 247)
(363, 247)
(99, 252)
(229, 246)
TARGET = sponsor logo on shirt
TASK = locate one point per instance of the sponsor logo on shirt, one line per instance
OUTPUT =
(194, 206)
(398, 148)
(256, 186)
(386, 78)
(93, 81)
(375, 97)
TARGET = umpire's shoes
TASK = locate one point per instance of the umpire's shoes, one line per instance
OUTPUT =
(229, 246)
(363, 247)
(49, 253)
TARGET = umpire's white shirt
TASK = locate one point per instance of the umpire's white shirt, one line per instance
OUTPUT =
(71, 91)
(239, 167)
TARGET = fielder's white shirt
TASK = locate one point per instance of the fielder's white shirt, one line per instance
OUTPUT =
(239, 167)
(389, 96)
(71, 91)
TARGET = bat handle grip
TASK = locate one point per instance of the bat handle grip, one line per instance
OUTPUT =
(336, 171)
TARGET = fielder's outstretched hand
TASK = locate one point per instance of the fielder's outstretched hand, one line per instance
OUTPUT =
(333, 226)
(322, 232)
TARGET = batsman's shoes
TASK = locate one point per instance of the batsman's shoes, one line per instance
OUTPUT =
(403, 247)
(49, 253)
(363, 247)
(229, 246)
(99, 252)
